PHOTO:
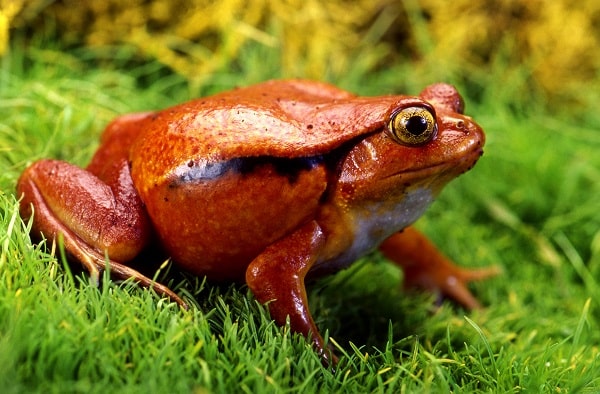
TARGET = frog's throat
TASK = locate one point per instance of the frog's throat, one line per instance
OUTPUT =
(373, 222)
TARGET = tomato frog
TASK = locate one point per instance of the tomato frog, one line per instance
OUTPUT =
(268, 185)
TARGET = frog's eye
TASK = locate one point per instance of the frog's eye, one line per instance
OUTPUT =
(412, 126)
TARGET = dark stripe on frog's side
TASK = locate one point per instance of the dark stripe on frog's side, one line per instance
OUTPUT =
(197, 171)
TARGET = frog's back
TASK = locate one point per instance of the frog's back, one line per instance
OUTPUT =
(284, 119)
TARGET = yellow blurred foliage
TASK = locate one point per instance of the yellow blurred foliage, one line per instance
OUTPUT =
(195, 37)
(8, 10)
(557, 41)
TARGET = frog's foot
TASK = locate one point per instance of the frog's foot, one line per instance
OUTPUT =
(426, 268)
(94, 263)
(450, 282)
(124, 272)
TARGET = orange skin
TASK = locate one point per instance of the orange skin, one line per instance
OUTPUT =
(266, 184)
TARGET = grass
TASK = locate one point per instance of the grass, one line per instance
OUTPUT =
(530, 206)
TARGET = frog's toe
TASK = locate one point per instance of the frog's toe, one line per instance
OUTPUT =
(452, 283)
(124, 272)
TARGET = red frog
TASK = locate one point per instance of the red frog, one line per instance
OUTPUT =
(268, 184)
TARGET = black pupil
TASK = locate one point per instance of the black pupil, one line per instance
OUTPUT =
(416, 125)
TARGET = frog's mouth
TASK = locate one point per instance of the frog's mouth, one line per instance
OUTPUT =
(435, 175)
(463, 163)
(454, 165)
(457, 153)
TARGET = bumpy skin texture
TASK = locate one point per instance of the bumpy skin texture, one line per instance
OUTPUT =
(267, 184)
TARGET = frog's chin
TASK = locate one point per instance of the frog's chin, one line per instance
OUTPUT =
(449, 167)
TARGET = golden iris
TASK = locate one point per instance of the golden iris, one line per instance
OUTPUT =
(412, 126)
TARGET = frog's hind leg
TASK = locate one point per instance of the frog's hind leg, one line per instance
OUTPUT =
(91, 217)
(427, 268)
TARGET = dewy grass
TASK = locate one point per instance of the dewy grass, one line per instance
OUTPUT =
(530, 206)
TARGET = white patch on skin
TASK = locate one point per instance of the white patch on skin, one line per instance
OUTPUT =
(376, 222)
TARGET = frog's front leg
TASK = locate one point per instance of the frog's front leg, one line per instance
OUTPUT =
(92, 217)
(425, 267)
(277, 276)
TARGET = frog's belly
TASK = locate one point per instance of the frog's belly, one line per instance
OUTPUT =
(373, 223)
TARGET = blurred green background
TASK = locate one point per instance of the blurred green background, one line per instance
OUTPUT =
(554, 43)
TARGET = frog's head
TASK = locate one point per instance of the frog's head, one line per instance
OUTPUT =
(425, 142)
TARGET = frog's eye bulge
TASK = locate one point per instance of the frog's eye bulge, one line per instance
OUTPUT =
(412, 126)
